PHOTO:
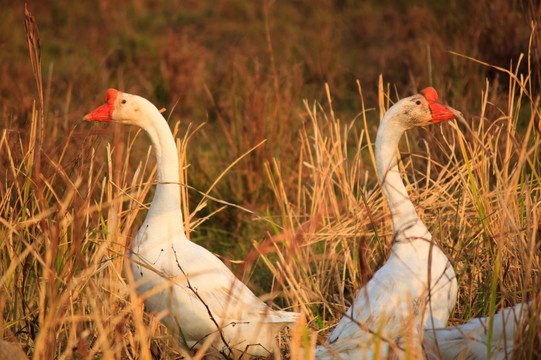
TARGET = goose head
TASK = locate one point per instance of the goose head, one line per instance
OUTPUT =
(419, 110)
(123, 108)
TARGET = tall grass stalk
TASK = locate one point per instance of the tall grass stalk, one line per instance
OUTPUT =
(71, 203)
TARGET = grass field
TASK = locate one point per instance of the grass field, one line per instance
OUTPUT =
(275, 106)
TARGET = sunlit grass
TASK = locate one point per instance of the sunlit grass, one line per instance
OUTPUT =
(74, 194)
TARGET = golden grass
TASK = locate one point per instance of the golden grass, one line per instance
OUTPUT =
(68, 212)
(64, 286)
(479, 193)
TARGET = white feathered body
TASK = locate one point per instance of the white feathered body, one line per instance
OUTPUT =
(199, 297)
(387, 312)
(470, 340)
(188, 287)
(416, 287)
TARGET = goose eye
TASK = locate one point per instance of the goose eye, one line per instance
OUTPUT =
(418, 102)
(123, 101)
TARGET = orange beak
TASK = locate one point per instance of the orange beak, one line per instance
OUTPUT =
(439, 112)
(104, 112)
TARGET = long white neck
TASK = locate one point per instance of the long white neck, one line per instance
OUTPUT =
(406, 222)
(166, 202)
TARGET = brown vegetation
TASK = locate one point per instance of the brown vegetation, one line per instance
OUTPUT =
(73, 194)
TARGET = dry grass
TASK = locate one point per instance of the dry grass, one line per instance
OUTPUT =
(479, 193)
(70, 202)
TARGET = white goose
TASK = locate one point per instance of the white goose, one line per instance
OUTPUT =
(470, 340)
(199, 294)
(417, 285)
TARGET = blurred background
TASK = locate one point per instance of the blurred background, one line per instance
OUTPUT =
(242, 70)
(245, 66)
